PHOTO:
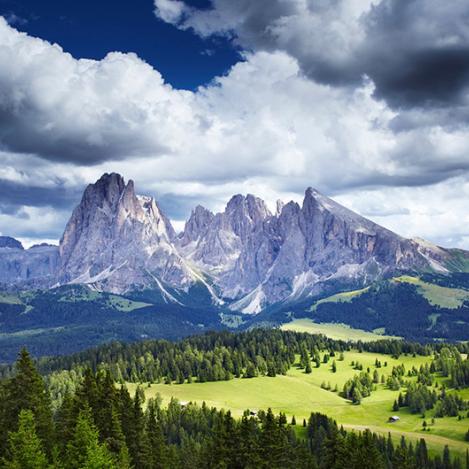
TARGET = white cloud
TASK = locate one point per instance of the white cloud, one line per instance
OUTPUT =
(171, 11)
(264, 128)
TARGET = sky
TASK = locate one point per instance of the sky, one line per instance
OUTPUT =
(365, 100)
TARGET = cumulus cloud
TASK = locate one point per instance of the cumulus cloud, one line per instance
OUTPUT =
(264, 128)
(415, 51)
(84, 111)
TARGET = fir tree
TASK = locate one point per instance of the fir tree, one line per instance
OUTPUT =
(157, 454)
(25, 448)
(84, 450)
(26, 391)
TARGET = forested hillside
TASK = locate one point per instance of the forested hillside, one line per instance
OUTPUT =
(102, 426)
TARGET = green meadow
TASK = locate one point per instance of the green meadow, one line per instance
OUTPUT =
(334, 330)
(435, 294)
(298, 394)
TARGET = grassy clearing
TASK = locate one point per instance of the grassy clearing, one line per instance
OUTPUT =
(299, 394)
(343, 297)
(334, 330)
(124, 304)
(6, 298)
(116, 302)
(232, 320)
(30, 332)
(436, 295)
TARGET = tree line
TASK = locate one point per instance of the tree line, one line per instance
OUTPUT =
(219, 355)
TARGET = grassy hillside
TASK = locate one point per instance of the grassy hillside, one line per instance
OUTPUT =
(417, 308)
(299, 394)
(342, 297)
(334, 331)
(73, 318)
(437, 295)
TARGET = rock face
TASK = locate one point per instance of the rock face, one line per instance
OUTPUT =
(28, 268)
(257, 258)
(118, 241)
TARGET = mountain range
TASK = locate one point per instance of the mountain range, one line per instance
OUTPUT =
(245, 259)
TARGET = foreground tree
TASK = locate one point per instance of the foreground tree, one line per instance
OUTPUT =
(84, 450)
(24, 447)
(27, 391)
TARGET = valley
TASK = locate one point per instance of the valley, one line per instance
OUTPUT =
(234, 234)
(298, 394)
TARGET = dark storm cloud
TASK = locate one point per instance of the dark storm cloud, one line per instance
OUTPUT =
(29, 130)
(14, 196)
(415, 51)
(423, 78)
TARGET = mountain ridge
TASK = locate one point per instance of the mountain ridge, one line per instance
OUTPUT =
(245, 257)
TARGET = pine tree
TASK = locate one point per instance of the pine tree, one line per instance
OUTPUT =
(66, 420)
(84, 450)
(446, 458)
(421, 454)
(106, 415)
(137, 442)
(25, 448)
(27, 391)
(251, 371)
(274, 444)
(249, 450)
(356, 395)
(157, 450)
(375, 377)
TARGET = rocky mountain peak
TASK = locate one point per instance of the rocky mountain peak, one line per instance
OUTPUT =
(107, 189)
(197, 224)
(115, 239)
(315, 200)
(244, 212)
(11, 243)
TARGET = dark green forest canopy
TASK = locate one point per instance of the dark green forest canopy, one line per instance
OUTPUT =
(216, 355)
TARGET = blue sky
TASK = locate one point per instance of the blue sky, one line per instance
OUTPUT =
(366, 100)
(91, 29)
